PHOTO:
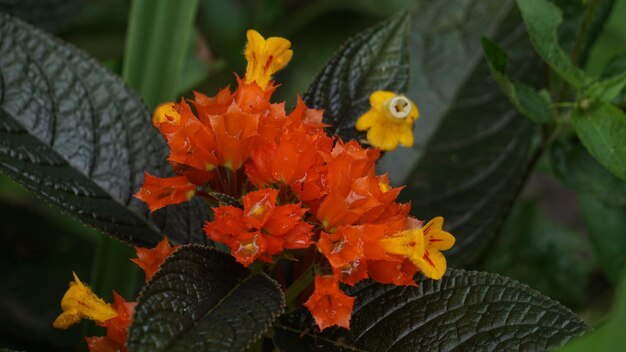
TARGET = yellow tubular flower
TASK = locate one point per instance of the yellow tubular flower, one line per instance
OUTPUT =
(389, 121)
(423, 247)
(265, 57)
(166, 112)
(80, 302)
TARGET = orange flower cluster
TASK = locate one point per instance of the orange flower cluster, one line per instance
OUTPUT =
(290, 185)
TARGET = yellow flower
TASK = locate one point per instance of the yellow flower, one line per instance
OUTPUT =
(389, 121)
(265, 57)
(80, 302)
(423, 247)
(166, 112)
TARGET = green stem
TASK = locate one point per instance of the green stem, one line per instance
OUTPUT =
(584, 30)
(299, 285)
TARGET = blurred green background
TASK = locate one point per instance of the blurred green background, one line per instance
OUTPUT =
(546, 242)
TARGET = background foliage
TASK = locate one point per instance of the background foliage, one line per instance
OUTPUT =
(564, 236)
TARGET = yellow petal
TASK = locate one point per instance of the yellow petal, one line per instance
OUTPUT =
(381, 136)
(405, 243)
(406, 137)
(367, 120)
(265, 57)
(415, 113)
(379, 98)
(80, 302)
(166, 113)
(432, 264)
(435, 237)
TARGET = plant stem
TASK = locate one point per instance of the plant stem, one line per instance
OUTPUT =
(584, 30)
(299, 285)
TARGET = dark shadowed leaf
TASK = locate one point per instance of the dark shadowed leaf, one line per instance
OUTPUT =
(74, 134)
(465, 311)
(573, 165)
(201, 300)
(50, 15)
(376, 59)
(606, 225)
(602, 130)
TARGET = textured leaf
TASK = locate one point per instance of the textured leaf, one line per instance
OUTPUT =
(50, 15)
(601, 128)
(201, 300)
(573, 165)
(74, 134)
(606, 225)
(526, 99)
(542, 20)
(376, 59)
(465, 311)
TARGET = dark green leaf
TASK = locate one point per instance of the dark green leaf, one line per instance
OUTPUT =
(50, 15)
(201, 300)
(556, 261)
(74, 134)
(542, 20)
(601, 128)
(465, 311)
(472, 150)
(526, 99)
(573, 165)
(606, 225)
(376, 59)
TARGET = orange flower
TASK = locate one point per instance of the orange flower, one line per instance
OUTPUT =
(261, 229)
(151, 259)
(399, 273)
(158, 192)
(342, 247)
(328, 304)
(117, 328)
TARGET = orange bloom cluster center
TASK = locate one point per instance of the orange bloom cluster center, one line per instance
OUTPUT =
(277, 181)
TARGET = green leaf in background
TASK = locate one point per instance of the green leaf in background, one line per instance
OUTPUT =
(201, 300)
(542, 20)
(606, 225)
(74, 134)
(573, 165)
(532, 246)
(161, 31)
(376, 59)
(610, 336)
(526, 99)
(601, 128)
(616, 67)
(51, 15)
(607, 89)
(464, 311)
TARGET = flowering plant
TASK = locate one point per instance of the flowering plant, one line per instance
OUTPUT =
(319, 225)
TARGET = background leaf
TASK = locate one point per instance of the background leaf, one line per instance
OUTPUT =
(464, 311)
(160, 30)
(601, 128)
(573, 165)
(542, 20)
(201, 300)
(74, 134)
(606, 225)
(376, 59)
